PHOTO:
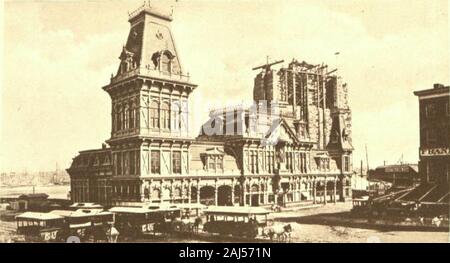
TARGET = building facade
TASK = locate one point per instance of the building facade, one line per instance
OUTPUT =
(432, 195)
(400, 175)
(300, 152)
(434, 150)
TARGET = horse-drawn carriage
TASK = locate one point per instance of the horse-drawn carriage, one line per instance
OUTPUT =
(235, 221)
(39, 227)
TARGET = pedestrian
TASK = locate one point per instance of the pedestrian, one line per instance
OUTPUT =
(113, 234)
(436, 221)
(421, 219)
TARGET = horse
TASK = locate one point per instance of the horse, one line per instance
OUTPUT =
(281, 233)
(99, 234)
(197, 222)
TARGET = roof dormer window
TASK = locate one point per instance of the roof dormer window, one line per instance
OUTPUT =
(163, 61)
(213, 160)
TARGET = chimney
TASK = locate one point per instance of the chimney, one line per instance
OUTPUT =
(438, 85)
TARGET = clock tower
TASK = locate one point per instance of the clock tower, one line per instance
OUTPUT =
(149, 109)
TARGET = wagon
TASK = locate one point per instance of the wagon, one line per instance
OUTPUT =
(235, 221)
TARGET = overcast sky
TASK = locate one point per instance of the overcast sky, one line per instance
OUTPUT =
(58, 55)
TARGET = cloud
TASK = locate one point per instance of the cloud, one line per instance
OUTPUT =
(55, 66)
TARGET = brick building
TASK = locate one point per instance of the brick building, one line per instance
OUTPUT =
(434, 134)
(434, 154)
(301, 151)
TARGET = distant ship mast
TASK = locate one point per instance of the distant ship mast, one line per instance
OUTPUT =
(367, 159)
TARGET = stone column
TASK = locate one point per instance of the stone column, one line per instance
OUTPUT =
(150, 191)
(266, 192)
(314, 191)
(325, 192)
(198, 193)
(232, 193)
(291, 191)
(142, 191)
(250, 195)
(87, 192)
(215, 194)
(160, 191)
(334, 191)
(171, 190)
(189, 193)
(341, 191)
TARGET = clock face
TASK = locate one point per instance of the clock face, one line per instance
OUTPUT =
(159, 35)
(134, 34)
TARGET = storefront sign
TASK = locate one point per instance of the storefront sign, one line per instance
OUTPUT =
(435, 152)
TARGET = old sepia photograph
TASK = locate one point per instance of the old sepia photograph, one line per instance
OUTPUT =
(224, 121)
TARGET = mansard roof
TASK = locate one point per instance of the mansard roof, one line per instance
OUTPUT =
(150, 49)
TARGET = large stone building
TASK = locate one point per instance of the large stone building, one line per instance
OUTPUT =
(300, 151)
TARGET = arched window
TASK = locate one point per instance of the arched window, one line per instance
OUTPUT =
(154, 114)
(132, 114)
(119, 118)
(156, 194)
(124, 67)
(125, 117)
(165, 115)
(175, 116)
(184, 117)
(136, 115)
(116, 118)
(166, 63)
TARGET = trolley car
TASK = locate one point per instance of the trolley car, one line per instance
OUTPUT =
(84, 223)
(38, 227)
(133, 221)
(169, 218)
(235, 221)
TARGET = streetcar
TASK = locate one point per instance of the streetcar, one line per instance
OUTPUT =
(84, 223)
(134, 221)
(39, 227)
(169, 219)
(235, 221)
